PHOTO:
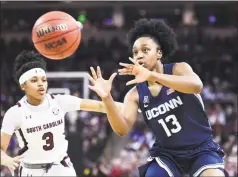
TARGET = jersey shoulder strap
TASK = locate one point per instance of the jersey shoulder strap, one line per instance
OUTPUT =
(168, 68)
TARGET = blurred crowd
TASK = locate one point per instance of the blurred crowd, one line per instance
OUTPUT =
(213, 59)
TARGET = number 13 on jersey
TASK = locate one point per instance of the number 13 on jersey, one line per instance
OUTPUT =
(174, 121)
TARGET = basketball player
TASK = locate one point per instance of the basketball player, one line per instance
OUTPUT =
(38, 121)
(168, 96)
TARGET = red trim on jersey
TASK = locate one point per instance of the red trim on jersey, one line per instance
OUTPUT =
(18, 104)
(25, 148)
(63, 161)
(52, 96)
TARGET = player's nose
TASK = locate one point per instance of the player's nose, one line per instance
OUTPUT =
(40, 83)
(138, 58)
(140, 55)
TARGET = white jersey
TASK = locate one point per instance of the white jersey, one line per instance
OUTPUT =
(41, 129)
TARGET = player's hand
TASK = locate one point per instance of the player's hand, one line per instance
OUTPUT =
(101, 86)
(141, 74)
(12, 162)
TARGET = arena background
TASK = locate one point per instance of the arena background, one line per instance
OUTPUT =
(207, 35)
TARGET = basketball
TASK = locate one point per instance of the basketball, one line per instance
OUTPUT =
(56, 35)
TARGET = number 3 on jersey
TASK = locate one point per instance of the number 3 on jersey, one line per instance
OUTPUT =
(174, 122)
(49, 139)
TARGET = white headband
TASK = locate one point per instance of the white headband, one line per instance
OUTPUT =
(31, 73)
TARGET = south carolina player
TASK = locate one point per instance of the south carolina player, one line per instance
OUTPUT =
(38, 121)
(168, 96)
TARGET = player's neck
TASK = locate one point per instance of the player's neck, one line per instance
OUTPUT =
(34, 102)
(159, 69)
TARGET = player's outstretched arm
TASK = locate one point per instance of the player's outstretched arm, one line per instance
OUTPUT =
(183, 79)
(96, 106)
(73, 103)
(121, 120)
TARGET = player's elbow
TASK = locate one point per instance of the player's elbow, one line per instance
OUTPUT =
(198, 86)
(121, 133)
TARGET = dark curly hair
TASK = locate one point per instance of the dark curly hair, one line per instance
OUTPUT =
(162, 34)
(27, 60)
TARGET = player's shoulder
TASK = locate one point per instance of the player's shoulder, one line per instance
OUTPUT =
(60, 97)
(179, 64)
(133, 91)
(15, 107)
(181, 67)
(14, 110)
(57, 96)
(54, 96)
(133, 94)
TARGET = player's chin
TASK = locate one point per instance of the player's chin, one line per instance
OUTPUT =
(145, 66)
(40, 94)
(38, 97)
(148, 67)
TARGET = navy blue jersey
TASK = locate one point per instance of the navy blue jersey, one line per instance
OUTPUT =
(177, 120)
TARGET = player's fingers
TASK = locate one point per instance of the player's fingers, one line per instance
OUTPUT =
(12, 171)
(11, 168)
(99, 73)
(133, 61)
(91, 87)
(123, 70)
(91, 79)
(131, 82)
(126, 65)
(125, 73)
(15, 165)
(112, 77)
(93, 73)
(18, 159)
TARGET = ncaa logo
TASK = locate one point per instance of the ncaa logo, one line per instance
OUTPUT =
(55, 111)
(146, 101)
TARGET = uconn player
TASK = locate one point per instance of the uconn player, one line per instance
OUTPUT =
(168, 96)
(38, 121)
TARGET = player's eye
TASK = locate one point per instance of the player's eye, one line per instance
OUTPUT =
(135, 52)
(34, 80)
(44, 80)
(145, 50)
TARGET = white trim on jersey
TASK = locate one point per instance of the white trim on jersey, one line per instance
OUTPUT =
(164, 166)
(200, 99)
(209, 166)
